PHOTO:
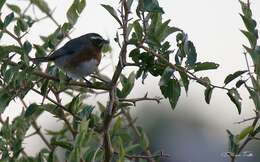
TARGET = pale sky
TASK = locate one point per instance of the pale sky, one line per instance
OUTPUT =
(213, 26)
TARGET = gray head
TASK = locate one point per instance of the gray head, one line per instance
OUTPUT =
(97, 40)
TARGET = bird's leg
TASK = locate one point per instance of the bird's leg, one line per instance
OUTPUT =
(87, 82)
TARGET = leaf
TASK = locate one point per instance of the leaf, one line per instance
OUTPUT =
(86, 111)
(14, 8)
(122, 152)
(22, 25)
(42, 5)
(233, 76)
(75, 9)
(239, 83)
(8, 19)
(152, 6)
(254, 96)
(208, 93)
(172, 91)
(5, 98)
(44, 87)
(33, 108)
(138, 30)
(129, 4)
(63, 144)
(2, 2)
(74, 104)
(191, 54)
(166, 76)
(127, 83)
(27, 47)
(185, 80)
(245, 132)
(112, 11)
(235, 98)
(144, 140)
(233, 143)
(205, 66)
(251, 38)
(74, 156)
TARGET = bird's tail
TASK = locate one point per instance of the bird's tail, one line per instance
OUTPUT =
(40, 59)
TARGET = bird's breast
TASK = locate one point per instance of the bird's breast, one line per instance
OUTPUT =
(80, 70)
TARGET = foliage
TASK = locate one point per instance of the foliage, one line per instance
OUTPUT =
(107, 134)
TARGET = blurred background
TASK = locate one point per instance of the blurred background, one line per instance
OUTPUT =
(194, 131)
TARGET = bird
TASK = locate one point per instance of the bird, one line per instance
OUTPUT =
(79, 57)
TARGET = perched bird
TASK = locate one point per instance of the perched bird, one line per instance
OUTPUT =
(79, 57)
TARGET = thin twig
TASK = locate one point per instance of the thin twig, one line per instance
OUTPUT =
(136, 157)
(145, 98)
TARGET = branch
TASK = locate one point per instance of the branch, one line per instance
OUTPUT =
(181, 69)
(145, 98)
(250, 135)
(137, 133)
(50, 77)
(137, 157)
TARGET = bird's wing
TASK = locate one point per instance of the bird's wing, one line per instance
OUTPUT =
(69, 48)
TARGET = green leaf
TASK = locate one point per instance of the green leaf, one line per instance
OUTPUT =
(185, 80)
(245, 9)
(251, 38)
(75, 9)
(138, 30)
(127, 83)
(8, 19)
(22, 25)
(233, 143)
(63, 144)
(2, 2)
(122, 152)
(129, 4)
(245, 132)
(5, 98)
(86, 111)
(249, 23)
(205, 66)
(74, 156)
(233, 76)
(191, 53)
(239, 83)
(208, 93)
(27, 47)
(166, 76)
(235, 98)
(254, 96)
(152, 6)
(74, 104)
(42, 5)
(14, 8)
(112, 11)
(172, 91)
(144, 140)
(33, 108)
(53, 109)
(44, 87)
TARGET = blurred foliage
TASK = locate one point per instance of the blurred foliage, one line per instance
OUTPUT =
(107, 134)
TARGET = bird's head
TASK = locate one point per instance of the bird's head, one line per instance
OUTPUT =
(98, 41)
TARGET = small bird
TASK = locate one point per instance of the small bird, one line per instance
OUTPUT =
(79, 57)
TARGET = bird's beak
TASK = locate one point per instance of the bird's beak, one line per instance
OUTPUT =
(106, 46)
(106, 41)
